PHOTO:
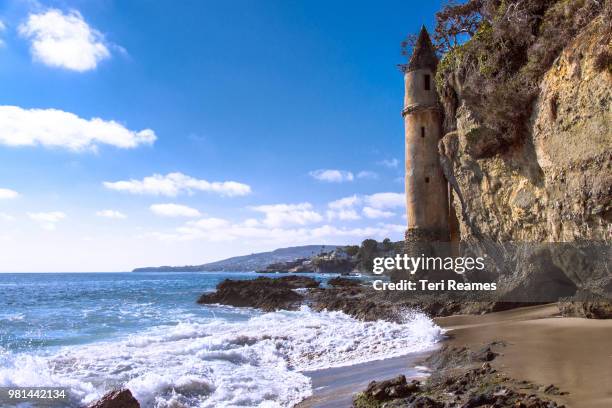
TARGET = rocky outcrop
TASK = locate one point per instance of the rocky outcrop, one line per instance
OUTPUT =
(587, 305)
(263, 293)
(395, 388)
(340, 282)
(116, 399)
(458, 381)
(552, 185)
(359, 301)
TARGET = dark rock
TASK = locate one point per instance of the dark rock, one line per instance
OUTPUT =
(264, 293)
(425, 402)
(391, 389)
(452, 357)
(458, 380)
(116, 399)
(479, 400)
(484, 354)
(344, 282)
(586, 305)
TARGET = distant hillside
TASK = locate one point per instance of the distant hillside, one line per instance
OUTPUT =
(247, 262)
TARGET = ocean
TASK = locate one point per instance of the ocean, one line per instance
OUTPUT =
(91, 332)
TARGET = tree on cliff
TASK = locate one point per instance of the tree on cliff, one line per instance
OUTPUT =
(500, 49)
(367, 253)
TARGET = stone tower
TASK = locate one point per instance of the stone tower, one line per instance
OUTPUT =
(427, 206)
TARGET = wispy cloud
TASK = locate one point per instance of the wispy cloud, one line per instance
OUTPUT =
(173, 184)
(332, 175)
(47, 220)
(367, 175)
(60, 129)
(2, 29)
(372, 206)
(346, 202)
(389, 163)
(385, 200)
(113, 214)
(279, 215)
(370, 212)
(216, 229)
(7, 194)
(64, 40)
(174, 210)
(6, 217)
(343, 215)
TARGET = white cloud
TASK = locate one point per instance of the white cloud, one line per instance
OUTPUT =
(390, 163)
(332, 176)
(346, 202)
(113, 214)
(343, 209)
(278, 215)
(251, 222)
(375, 213)
(64, 40)
(209, 223)
(343, 215)
(173, 184)
(6, 217)
(374, 206)
(47, 220)
(60, 129)
(2, 28)
(6, 194)
(213, 229)
(367, 175)
(386, 200)
(174, 210)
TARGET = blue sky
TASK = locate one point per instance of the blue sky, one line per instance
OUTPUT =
(140, 133)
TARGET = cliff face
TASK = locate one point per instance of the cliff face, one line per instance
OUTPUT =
(553, 185)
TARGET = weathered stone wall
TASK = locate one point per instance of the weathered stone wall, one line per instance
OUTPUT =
(556, 185)
(426, 187)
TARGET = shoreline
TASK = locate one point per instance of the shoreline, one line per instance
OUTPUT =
(335, 387)
(540, 347)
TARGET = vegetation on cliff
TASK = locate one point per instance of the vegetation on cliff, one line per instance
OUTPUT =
(496, 52)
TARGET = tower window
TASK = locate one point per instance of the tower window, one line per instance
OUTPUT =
(422, 131)
(427, 179)
(427, 82)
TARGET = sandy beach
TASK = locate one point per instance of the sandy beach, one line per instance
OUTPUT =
(571, 353)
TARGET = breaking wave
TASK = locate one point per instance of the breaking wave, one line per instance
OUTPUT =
(213, 362)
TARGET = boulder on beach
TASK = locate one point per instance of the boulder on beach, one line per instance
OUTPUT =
(117, 399)
(587, 305)
(263, 293)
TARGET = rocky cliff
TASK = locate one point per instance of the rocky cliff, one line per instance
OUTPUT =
(548, 180)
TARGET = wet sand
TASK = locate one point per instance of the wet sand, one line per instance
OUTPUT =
(573, 354)
(335, 387)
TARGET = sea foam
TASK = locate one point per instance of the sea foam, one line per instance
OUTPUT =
(210, 362)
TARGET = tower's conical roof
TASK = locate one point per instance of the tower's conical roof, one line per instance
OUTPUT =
(424, 53)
